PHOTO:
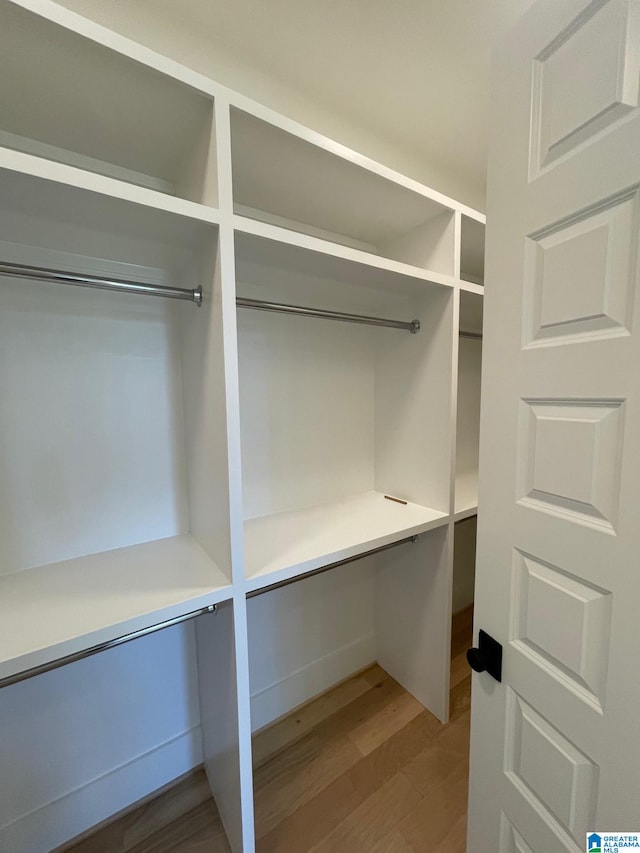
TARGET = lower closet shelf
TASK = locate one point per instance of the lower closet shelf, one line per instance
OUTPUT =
(64, 608)
(287, 544)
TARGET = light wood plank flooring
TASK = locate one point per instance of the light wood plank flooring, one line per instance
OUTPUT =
(361, 769)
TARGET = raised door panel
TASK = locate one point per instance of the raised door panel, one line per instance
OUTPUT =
(560, 452)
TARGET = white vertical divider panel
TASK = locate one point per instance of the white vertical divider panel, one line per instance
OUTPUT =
(457, 243)
(455, 379)
(223, 666)
(428, 245)
(468, 425)
(413, 617)
(198, 177)
(414, 582)
(205, 422)
(455, 386)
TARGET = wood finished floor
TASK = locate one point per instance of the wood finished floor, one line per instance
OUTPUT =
(361, 769)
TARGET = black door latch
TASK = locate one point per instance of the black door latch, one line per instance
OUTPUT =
(487, 657)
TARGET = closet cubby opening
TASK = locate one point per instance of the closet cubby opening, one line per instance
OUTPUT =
(114, 484)
(468, 419)
(283, 179)
(128, 683)
(337, 418)
(383, 608)
(80, 103)
(472, 250)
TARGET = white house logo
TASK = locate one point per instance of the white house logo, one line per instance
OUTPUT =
(612, 842)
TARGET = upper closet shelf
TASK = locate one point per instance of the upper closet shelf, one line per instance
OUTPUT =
(62, 226)
(282, 178)
(72, 100)
(64, 175)
(60, 609)
(312, 255)
(282, 546)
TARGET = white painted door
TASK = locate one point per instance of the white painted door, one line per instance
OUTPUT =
(556, 746)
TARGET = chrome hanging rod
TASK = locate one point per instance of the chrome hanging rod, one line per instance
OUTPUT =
(102, 647)
(474, 336)
(413, 326)
(62, 277)
(322, 569)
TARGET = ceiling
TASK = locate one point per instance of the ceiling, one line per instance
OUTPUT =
(411, 77)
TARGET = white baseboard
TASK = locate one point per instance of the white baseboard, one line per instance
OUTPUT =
(57, 822)
(298, 687)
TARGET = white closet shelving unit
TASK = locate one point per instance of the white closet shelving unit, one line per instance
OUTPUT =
(161, 457)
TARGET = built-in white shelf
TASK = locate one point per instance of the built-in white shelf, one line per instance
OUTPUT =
(466, 495)
(99, 392)
(469, 287)
(281, 546)
(61, 175)
(262, 243)
(63, 608)
(280, 175)
(328, 409)
(86, 104)
(58, 216)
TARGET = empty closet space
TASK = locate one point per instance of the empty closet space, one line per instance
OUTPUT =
(344, 425)
(326, 191)
(345, 437)
(389, 607)
(76, 102)
(109, 731)
(114, 487)
(363, 767)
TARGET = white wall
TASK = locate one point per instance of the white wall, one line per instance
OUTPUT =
(324, 631)
(86, 740)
